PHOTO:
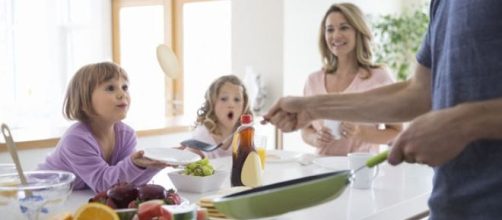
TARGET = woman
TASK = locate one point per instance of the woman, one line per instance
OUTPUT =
(344, 42)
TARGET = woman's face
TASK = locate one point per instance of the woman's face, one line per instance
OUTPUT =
(229, 105)
(340, 36)
(111, 100)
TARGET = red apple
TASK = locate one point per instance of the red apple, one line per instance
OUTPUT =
(150, 192)
(122, 194)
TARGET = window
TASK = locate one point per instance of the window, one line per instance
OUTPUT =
(42, 44)
(141, 30)
(199, 33)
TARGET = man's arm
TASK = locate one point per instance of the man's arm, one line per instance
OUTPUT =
(483, 119)
(449, 130)
(397, 102)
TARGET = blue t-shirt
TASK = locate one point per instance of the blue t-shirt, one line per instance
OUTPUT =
(463, 48)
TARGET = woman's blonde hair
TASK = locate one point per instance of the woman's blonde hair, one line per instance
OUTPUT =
(364, 38)
(206, 115)
(77, 104)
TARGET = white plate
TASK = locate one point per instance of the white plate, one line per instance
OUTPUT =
(171, 156)
(280, 156)
(332, 163)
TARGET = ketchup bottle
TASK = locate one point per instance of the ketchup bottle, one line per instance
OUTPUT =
(246, 165)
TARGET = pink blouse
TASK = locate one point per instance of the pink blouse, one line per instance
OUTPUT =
(316, 85)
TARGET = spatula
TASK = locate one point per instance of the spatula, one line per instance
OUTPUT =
(13, 153)
(203, 146)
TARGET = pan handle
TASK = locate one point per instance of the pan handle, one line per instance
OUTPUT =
(377, 159)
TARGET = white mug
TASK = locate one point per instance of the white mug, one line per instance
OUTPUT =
(335, 128)
(362, 179)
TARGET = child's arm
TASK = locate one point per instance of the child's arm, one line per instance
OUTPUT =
(86, 161)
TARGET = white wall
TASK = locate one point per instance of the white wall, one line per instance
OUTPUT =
(257, 41)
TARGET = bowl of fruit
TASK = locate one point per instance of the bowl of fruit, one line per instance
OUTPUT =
(145, 201)
(198, 177)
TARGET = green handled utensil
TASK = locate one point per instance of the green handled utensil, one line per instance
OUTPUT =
(373, 161)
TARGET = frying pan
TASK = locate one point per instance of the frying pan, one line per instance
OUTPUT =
(291, 195)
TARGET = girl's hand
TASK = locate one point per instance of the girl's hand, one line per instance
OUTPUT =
(349, 130)
(323, 137)
(140, 161)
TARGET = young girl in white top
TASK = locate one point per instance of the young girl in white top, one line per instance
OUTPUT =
(225, 101)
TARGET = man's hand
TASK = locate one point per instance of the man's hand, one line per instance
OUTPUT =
(433, 139)
(288, 114)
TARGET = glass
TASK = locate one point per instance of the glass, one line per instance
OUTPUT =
(49, 190)
(260, 143)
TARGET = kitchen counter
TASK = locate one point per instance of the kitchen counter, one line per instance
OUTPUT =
(398, 192)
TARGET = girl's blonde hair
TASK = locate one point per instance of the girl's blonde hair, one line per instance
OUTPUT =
(206, 115)
(77, 104)
(364, 38)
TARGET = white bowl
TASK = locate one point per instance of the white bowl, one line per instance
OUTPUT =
(198, 184)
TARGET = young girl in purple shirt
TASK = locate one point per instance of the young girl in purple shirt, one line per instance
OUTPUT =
(99, 148)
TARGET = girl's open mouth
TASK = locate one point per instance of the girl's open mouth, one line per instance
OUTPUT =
(230, 115)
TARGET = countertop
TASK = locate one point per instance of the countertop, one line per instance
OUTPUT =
(399, 192)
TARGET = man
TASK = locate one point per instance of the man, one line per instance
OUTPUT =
(454, 101)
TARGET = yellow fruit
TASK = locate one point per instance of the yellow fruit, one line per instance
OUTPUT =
(94, 211)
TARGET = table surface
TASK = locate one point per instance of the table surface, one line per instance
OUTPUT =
(398, 192)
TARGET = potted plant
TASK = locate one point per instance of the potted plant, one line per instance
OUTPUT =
(398, 38)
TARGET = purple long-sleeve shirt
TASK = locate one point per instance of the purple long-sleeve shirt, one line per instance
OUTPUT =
(78, 152)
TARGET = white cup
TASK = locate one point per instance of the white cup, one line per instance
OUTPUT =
(363, 179)
(335, 128)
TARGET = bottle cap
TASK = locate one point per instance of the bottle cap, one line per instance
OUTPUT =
(246, 118)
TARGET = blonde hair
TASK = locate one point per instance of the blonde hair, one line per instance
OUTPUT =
(364, 38)
(78, 100)
(206, 115)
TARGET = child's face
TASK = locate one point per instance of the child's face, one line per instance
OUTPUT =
(110, 100)
(229, 105)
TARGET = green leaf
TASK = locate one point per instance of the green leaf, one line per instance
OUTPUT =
(398, 39)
